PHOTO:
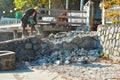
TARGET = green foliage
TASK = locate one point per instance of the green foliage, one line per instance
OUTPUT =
(19, 3)
(7, 5)
(110, 3)
(24, 4)
(112, 14)
(116, 21)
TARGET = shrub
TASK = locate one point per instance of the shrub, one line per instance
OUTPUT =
(109, 13)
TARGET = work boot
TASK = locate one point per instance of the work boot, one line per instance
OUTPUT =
(24, 36)
(31, 34)
(35, 33)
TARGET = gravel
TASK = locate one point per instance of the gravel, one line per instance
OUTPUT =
(91, 71)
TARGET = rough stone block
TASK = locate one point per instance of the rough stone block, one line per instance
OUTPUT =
(7, 60)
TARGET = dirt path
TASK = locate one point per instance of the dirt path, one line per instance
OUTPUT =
(92, 71)
(30, 75)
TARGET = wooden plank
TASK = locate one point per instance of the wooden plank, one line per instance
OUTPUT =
(46, 15)
(13, 28)
(56, 28)
(70, 23)
(54, 22)
(45, 22)
(77, 11)
(53, 16)
(73, 17)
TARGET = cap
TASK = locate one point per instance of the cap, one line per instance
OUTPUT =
(36, 8)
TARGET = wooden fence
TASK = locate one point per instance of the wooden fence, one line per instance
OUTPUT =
(56, 20)
(73, 18)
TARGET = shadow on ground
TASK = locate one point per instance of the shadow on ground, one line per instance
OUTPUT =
(93, 65)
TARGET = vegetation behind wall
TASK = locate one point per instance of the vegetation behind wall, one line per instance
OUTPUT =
(115, 14)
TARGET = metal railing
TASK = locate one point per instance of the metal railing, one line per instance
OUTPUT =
(75, 18)
(9, 21)
(71, 14)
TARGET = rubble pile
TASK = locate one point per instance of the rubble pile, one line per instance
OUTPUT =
(70, 47)
(66, 57)
(60, 48)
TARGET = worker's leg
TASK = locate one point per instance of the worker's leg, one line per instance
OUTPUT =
(24, 30)
(32, 28)
(31, 31)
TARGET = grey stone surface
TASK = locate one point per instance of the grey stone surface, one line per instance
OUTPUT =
(7, 60)
(109, 36)
(94, 71)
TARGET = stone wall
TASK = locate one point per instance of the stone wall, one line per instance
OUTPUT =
(109, 36)
(7, 60)
(33, 48)
(25, 49)
(6, 36)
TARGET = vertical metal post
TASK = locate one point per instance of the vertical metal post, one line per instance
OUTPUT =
(103, 13)
(15, 35)
(49, 6)
(67, 4)
(81, 5)
(90, 13)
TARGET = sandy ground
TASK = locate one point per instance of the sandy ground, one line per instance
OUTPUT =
(92, 71)
(30, 75)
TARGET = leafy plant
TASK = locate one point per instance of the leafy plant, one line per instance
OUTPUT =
(110, 3)
(109, 13)
(24, 4)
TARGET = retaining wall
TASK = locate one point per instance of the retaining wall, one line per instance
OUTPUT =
(7, 60)
(33, 48)
(109, 36)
